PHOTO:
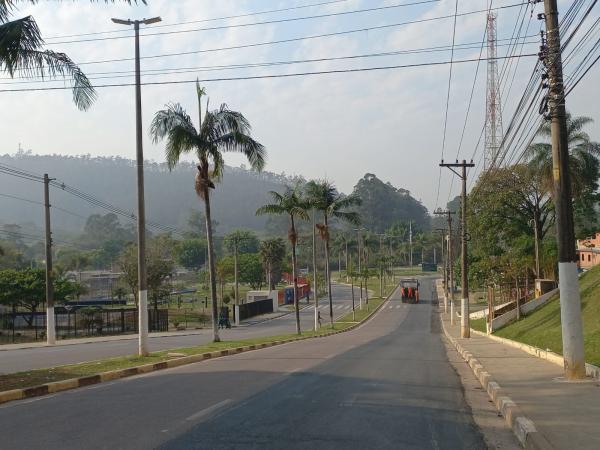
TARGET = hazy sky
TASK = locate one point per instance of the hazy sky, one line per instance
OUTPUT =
(338, 126)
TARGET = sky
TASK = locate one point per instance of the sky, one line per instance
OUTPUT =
(337, 126)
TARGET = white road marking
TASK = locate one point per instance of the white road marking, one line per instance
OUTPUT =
(207, 411)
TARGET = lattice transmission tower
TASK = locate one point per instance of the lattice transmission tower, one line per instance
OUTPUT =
(493, 121)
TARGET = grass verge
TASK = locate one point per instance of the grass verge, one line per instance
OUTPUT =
(542, 327)
(38, 377)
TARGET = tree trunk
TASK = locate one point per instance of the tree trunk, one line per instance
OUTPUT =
(211, 264)
(294, 272)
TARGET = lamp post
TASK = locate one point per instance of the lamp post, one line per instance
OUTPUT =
(141, 214)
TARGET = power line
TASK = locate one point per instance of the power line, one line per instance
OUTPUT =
(183, 70)
(14, 197)
(245, 25)
(238, 16)
(297, 39)
(87, 197)
(448, 99)
(272, 76)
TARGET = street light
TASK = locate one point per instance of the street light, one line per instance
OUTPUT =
(141, 213)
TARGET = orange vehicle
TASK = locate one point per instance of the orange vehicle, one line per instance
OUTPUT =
(409, 290)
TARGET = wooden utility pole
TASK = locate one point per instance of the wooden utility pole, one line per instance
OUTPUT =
(50, 323)
(570, 299)
(465, 327)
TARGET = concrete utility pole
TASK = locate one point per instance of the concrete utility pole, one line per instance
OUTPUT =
(141, 209)
(235, 270)
(449, 273)
(314, 262)
(465, 326)
(410, 241)
(570, 299)
(50, 323)
(359, 267)
(444, 263)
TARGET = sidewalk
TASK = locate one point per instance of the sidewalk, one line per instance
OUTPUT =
(566, 414)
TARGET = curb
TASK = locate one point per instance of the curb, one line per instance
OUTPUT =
(74, 383)
(523, 428)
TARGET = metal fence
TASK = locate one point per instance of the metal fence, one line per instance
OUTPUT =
(248, 310)
(78, 322)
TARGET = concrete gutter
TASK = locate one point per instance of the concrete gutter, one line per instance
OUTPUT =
(74, 383)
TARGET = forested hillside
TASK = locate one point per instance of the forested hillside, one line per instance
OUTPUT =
(169, 195)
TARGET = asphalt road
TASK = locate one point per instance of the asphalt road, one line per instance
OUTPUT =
(385, 385)
(42, 357)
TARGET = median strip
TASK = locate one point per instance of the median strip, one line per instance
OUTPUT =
(35, 383)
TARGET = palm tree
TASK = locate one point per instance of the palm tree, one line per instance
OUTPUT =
(291, 204)
(21, 52)
(221, 130)
(584, 162)
(332, 204)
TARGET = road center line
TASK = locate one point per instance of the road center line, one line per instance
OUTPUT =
(207, 411)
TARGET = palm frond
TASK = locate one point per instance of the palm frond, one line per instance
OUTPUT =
(166, 119)
(270, 209)
(20, 44)
(179, 140)
(351, 217)
(237, 141)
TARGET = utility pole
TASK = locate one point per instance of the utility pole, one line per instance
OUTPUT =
(235, 270)
(314, 262)
(381, 262)
(449, 260)
(410, 241)
(359, 268)
(465, 329)
(570, 299)
(50, 323)
(444, 263)
(141, 209)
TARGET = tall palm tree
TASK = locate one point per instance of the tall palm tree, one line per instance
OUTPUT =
(21, 52)
(291, 204)
(221, 130)
(584, 156)
(332, 204)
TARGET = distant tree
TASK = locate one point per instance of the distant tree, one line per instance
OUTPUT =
(272, 255)
(220, 131)
(27, 289)
(383, 205)
(293, 206)
(21, 51)
(191, 253)
(245, 240)
(159, 267)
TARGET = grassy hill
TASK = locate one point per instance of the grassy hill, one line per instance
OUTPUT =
(542, 329)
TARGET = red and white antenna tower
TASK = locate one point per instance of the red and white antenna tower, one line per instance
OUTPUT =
(493, 121)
